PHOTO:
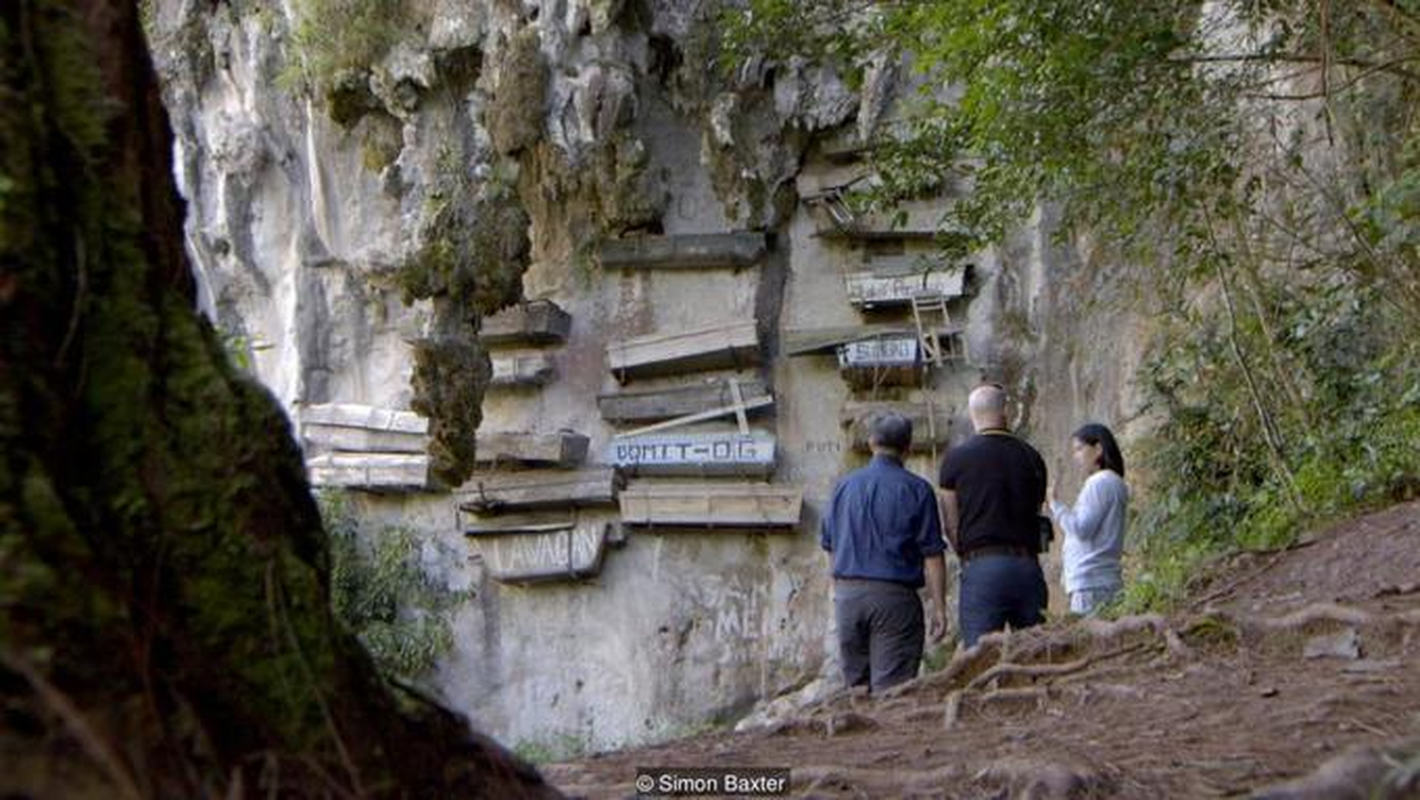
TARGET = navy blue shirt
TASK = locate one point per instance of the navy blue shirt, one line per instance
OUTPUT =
(881, 523)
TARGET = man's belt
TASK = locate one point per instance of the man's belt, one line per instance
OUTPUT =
(997, 550)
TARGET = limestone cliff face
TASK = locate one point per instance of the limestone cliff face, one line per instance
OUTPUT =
(484, 154)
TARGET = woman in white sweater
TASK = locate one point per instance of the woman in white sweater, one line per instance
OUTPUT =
(1094, 527)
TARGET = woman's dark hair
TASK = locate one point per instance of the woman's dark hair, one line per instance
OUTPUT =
(1110, 457)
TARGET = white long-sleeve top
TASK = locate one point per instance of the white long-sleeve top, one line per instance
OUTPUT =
(1094, 532)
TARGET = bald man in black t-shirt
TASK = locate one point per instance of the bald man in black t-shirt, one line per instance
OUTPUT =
(993, 486)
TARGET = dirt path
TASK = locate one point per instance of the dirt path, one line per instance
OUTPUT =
(1287, 662)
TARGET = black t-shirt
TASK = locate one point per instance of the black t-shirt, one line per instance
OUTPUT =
(999, 481)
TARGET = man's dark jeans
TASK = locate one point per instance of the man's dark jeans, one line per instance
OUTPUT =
(997, 590)
(880, 632)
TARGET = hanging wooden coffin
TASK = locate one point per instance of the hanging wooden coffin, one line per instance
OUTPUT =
(377, 471)
(834, 219)
(731, 344)
(527, 369)
(495, 492)
(857, 418)
(878, 289)
(351, 427)
(729, 453)
(711, 505)
(538, 549)
(659, 404)
(534, 322)
(686, 251)
(561, 449)
(881, 361)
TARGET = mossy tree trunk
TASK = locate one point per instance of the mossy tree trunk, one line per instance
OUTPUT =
(164, 624)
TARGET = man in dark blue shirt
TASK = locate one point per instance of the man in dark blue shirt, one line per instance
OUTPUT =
(884, 539)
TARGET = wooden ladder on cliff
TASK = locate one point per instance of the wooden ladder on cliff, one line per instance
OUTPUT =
(932, 319)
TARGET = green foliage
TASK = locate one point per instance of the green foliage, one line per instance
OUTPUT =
(1403, 778)
(379, 591)
(562, 747)
(937, 658)
(1349, 443)
(1258, 164)
(1095, 102)
(334, 43)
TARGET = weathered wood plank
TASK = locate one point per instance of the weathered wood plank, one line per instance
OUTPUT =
(686, 251)
(527, 369)
(739, 409)
(872, 289)
(355, 415)
(518, 551)
(562, 449)
(824, 341)
(838, 223)
(652, 405)
(731, 344)
(831, 178)
(320, 437)
(858, 416)
(901, 350)
(711, 505)
(730, 453)
(534, 322)
(881, 361)
(388, 471)
(497, 492)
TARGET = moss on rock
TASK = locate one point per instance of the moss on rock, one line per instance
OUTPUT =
(519, 103)
(163, 570)
(471, 264)
(451, 374)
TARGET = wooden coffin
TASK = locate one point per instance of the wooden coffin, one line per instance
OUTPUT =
(354, 415)
(826, 341)
(829, 179)
(528, 369)
(832, 219)
(686, 251)
(561, 449)
(652, 405)
(711, 505)
(533, 322)
(856, 417)
(382, 471)
(496, 492)
(350, 427)
(877, 289)
(881, 361)
(323, 438)
(729, 453)
(536, 549)
(732, 344)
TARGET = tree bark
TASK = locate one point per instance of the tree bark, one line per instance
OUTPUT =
(166, 628)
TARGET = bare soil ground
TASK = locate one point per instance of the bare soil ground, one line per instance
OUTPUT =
(1293, 674)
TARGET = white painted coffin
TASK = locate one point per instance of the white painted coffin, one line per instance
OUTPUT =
(729, 453)
(381, 471)
(540, 549)
(349, 427)
(873, 289)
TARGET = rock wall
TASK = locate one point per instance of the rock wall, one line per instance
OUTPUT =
(603, 120)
